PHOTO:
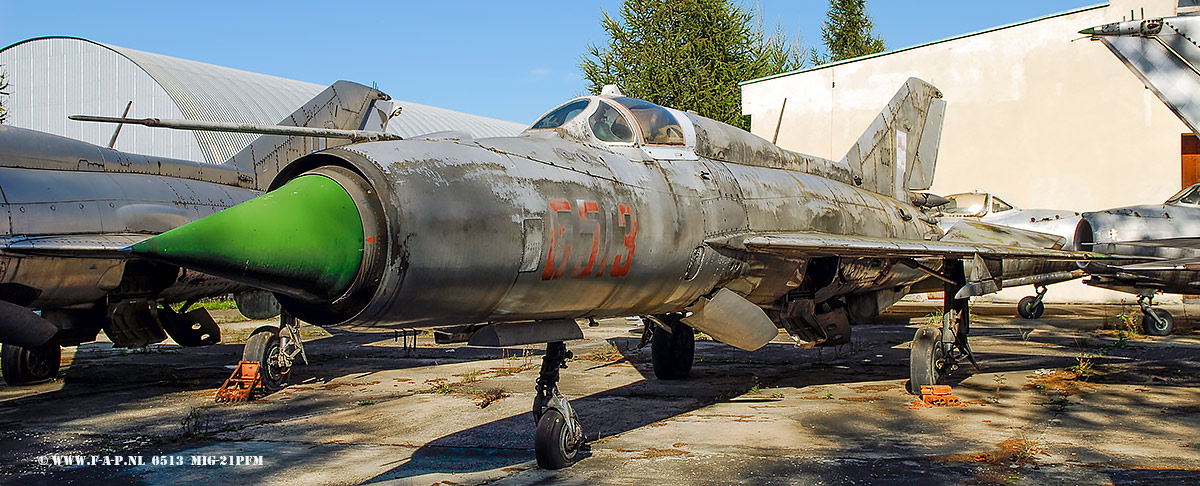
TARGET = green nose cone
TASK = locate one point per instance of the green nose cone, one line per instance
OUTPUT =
(304, 239)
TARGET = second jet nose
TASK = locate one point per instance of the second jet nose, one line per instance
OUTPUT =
(1085, 237)
(304, 240)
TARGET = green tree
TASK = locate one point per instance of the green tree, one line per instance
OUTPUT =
(689, 55)
(848, 32)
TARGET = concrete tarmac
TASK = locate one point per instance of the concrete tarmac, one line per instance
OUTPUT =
(1059, 400)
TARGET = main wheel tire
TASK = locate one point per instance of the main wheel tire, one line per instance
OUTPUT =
(263, 348)
(1030, 308)
(925, 359)
(28, 366)
(1153, 327)
(672, 352)
(552, 442)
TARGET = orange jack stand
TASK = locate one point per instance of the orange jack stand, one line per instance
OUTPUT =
(242, 385)
(939, 396)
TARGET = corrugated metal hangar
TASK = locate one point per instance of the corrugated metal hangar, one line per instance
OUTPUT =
(53, 77)
(1037, 114)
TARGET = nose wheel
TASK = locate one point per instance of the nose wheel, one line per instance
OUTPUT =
(558, 437)
(1155, 322)
(1032, 307)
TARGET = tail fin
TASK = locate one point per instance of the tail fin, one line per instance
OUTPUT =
(343, 105)
(884, 154)
(1166, 61)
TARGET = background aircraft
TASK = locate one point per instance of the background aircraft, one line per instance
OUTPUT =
(612, 206)
(1162, 53)
(986, 207)
(1168, 234)
(68, 205)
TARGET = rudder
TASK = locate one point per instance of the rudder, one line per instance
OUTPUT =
(885, 154)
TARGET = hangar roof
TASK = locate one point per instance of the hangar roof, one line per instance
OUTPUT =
(51, 77)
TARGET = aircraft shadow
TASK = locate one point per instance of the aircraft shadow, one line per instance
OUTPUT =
(722, 372)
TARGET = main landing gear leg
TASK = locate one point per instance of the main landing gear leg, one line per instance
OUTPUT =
(936, 351)
(1032, 307)
(1155, 322)
(558, 437)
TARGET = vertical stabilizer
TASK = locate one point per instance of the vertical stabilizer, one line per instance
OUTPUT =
(343, 105)
(1163, 54)
(898, 152)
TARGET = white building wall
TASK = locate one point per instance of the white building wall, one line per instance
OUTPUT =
(1037, 115)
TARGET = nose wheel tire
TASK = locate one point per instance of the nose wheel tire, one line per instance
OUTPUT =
(29, 366)
(672, 352)
(926, 359)
(1160, 323)
(263, 348)
(1031, 308)
(552, 442)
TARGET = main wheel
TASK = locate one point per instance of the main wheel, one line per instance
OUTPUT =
(1162, 326)
(926, 359)
(263, 348)
(28, 366)
(1030, 308)
(672, 351)
(552, 442)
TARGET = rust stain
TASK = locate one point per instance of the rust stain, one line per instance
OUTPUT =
(875, 388)
(651, 453)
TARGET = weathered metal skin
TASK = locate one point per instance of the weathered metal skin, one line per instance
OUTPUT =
(593, 229)
(609, 206)
(1148, 231)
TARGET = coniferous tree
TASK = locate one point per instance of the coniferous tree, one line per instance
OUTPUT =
(688, 54)
(848, 32)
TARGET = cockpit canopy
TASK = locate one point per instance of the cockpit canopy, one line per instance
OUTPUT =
(618, 119)
(973, 204)
(1189, 195)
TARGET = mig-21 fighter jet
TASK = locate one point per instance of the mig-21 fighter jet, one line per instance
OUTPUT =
(613, 206)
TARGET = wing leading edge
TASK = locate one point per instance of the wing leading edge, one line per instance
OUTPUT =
(797, 244)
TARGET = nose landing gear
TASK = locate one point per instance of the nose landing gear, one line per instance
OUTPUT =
(558, 437)
(1155, 322)
(1032, 307)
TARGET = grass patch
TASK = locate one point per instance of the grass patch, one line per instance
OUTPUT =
(610, 353)
(439, 386)
(196, 424)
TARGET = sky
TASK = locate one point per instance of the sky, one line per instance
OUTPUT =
(512, 60)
